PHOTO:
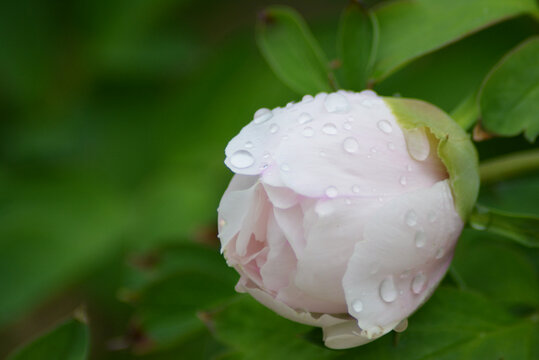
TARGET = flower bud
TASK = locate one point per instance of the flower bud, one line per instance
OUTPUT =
(345, 209)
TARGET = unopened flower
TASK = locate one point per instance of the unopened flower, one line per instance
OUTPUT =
(345, 209)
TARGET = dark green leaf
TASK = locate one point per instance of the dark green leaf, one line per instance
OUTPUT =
(522, 229)
(520, 195)
(292, 52)
(68, 341)
(357, 44)
(409, 29)
(510, 279)
(509, 98)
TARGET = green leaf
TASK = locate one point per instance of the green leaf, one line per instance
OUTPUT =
(68, 341)
(409, 29)
(509, 98)
(258, 333)
(292, 52)
(357, 45)
(454, 147)
(522, 229)
(456, 325)
(511, 279)
(518, 195)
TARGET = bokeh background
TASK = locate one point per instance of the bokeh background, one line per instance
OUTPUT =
(114, 116)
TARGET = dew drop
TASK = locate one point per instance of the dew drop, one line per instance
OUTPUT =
(222, 223)
(410, 218)
(440, 253)
(417, 143)
(350, 145)
(336, 102)
(403, 325)
(367, 103)
(304, 118)
(385, 126)
(403, 180)
(391, 146)
(369, 93)
(273, 128)
(348, 202)
(329, 129)
(285, 167)
(373, 150)
(266, 156)
(388, 292)
(409, 167)
(332, 192)
(347, 125)
(308, 131)
(357, 305)
(289, 105)
(355, 189)
(418, 283)
(432, 216)
(307, 98)
(420, 239)
(242, 159)
(262, 115)
(248, 144)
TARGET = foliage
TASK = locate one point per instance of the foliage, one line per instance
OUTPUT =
(114, 120)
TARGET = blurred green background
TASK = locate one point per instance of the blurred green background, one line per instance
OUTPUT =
(114, 116)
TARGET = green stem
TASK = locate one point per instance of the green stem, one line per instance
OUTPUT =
(467, 112)
(509, 166)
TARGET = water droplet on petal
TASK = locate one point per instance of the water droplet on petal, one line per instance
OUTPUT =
(347, 125)
(440, 253)
(432, 216)
(350, 145)
(348, 201)
(418, 283)
(308, 131)
(403, 180)
(289, 105)
(322, 153)
(417, 143)
(242, 159)
(307, 98)
(369, 93)
(248, 144)
(420, 239)
(373, 150)
(336, 102)
(409, 167)
(285, 167)
(329, 129)
(355, 189)
(410, 218)
(332, 192)
(304, 118)
(385, 126)
(391, 146)
(273, 128)
(262, 115)
(388, 292)
(222, 223)
(403, 325)
(357, 305)
(266, 156)
(367, 103)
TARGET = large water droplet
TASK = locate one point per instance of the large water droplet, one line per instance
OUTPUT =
(329, 129)
(388, 292)
(307, 98)
(273, 128)
(410, 218)
(308, 131)
(417, 143)
(420, 239)
(385, 126)
(403, 180)
(332, 192)
(357, 305)
(242, 159)
(336, 102)
(304, 118)
(262, 115)
(403, 325)
(350, 145)
(418, 283)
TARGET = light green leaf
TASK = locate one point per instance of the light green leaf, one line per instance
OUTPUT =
(68, 341)
(409, 29)
(509, 98)
(454, 147)
(357, 44)
(522, 229)
(511, 279)
(292, 52)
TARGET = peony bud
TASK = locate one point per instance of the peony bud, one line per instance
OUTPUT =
(345, 209)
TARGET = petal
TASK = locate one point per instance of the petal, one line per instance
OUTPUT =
(406, 249)
(281, 197)
(234, 206)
